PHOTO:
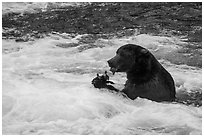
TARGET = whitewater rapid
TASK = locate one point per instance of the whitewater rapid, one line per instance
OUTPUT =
(47, 89)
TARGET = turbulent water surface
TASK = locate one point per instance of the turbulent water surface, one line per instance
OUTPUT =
(47, 88)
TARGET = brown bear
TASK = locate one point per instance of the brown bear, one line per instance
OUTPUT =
(146, 77)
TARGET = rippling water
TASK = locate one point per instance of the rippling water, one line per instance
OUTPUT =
(47, 86)
(47, 90)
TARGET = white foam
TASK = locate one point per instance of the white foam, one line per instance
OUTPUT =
(39, 97)
(33, 7)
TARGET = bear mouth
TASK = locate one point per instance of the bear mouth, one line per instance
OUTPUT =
(113, 70)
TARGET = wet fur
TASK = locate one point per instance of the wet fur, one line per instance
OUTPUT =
(147, 78)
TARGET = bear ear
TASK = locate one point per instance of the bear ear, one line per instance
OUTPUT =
(144, 52)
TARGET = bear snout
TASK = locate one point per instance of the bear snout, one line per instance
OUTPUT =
(110, 63)
(113, 64)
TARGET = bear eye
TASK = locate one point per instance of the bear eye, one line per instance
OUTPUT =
(125, 54)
